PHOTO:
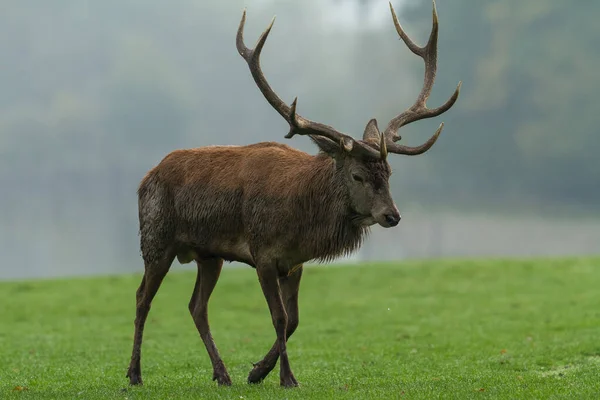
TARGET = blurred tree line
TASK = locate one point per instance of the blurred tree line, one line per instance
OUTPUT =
(96, 93)
(528, 116)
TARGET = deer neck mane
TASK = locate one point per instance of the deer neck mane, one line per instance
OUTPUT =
(331, 227)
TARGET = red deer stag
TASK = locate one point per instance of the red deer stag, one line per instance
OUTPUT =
(272, 207)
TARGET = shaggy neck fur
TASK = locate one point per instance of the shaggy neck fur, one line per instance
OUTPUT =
(327, 224)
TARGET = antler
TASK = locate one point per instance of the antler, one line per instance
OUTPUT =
(298, 124)
(419, 109)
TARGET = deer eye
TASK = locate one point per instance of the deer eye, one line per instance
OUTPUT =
(357, 178)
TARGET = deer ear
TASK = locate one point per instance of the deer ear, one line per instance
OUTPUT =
(327, 146)
(372, 132)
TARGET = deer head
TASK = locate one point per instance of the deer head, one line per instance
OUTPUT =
(361, 165)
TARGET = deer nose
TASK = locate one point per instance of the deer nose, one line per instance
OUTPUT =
(393, 218)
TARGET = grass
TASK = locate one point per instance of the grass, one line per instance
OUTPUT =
(444, 329)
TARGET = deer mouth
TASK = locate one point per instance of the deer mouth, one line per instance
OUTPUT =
(362, 219)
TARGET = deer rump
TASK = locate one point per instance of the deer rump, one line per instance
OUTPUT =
(231, 202)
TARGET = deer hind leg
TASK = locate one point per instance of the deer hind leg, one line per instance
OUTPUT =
(274, 287)
(290, 286)
(208, 275)
(151, 281)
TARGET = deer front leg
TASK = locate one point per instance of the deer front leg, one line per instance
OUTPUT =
(289, 290)
(268, 277)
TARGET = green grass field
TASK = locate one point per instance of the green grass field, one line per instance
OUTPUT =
(447, 329)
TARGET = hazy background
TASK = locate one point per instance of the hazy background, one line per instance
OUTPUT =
(95, 93)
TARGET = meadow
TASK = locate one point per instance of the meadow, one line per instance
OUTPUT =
(456, 329)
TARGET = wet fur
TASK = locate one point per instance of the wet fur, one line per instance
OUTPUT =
(236, 201)
(267, 205)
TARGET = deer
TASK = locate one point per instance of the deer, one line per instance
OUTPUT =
(272, 207)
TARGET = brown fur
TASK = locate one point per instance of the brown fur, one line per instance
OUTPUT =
(234, 202)
(267, 205)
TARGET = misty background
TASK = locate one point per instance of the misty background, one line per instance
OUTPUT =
(95, 93)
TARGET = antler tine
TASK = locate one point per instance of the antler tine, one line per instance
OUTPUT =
(252, 57)
(415, 151)
(419, 109)
(298, 124)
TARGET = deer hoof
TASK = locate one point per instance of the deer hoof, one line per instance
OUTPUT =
(222, 378)
(260, 371)
(135, 379)
(288, 381)
(256, 376)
